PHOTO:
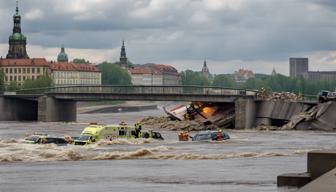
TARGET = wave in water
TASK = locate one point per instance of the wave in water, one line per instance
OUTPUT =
(13, 151)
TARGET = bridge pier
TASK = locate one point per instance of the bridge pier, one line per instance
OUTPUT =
(56, 110)
(245, 111)
(12, 109)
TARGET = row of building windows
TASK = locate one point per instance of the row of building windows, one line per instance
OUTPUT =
(77, 82)
(19, 78)
(23, 70)
(76, 74)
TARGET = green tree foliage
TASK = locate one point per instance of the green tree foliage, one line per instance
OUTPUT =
(112, 74)
(281, 83)
(272, 83)
(223, 81)
(13, 86)
(80, 61)
(190, 77)
(2, 80)
(40, 82)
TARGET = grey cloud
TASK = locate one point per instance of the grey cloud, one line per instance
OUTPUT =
(182, 29)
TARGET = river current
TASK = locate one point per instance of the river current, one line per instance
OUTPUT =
(249, 161)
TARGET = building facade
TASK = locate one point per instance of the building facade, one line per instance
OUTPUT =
(155, 74)
(64, 74)
(298, 66)
(19, 70)
(242, 75)
(320, 75)
(18, 67)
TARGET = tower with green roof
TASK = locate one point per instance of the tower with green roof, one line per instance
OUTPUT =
(62, 56)
(17, 41)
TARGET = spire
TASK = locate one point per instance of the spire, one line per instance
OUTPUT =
(123, 57)
(274, 71)
(123, 50)
(62, 49)
(17, 19)
(17, 7)
(205, 70)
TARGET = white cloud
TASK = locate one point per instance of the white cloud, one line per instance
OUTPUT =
(222, 4)
(35, 14)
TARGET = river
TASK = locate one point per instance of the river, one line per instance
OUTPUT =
(249, 161)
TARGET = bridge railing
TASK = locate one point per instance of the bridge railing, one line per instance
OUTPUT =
(164, 90)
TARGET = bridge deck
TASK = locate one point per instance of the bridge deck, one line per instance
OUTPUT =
(152, 93)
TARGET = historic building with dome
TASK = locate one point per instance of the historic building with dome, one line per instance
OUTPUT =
(18, 67)
(62, 56)
(17, 41)
(64, 72)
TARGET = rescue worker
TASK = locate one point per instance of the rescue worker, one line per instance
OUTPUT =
(263, 93)
(138, 128)
(68, 139)
(219, 135)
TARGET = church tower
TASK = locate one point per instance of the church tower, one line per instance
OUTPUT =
(123, 58)
(17, 41)
(62, 56)
(205, 70)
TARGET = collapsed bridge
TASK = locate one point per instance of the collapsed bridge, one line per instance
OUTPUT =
(59, 103)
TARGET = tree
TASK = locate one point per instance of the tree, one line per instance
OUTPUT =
(40, 82)
(190, 77)
(113, 74)
(129, 63)
(223, 81)
(13, 86)
(80, 61)
(2, 80)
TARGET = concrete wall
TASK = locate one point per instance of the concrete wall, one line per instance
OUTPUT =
(12, 109)
(266, 111)
(320, 170)
(326, 183)
(251, 113)
(54, 110)
(245, 110)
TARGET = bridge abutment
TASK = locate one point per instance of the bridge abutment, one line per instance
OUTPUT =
(12, 109)
(245, 111)
(56, 110)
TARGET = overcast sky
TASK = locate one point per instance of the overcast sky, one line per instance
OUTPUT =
(253, 34)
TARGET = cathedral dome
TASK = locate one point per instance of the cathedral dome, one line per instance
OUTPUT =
(62, 56)
(17, 36)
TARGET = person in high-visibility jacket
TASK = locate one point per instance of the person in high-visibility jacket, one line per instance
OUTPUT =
(138, 128)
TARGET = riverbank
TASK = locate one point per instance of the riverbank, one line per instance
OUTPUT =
(118, 107)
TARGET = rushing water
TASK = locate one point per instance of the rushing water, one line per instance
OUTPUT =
(250, 161)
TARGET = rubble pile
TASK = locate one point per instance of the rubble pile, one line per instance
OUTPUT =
(167, 124)
(320, 117)
(284, 96)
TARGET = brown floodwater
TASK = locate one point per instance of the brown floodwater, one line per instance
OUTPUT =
(249, 161)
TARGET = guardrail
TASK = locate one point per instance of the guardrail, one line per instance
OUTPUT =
(163, 90)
